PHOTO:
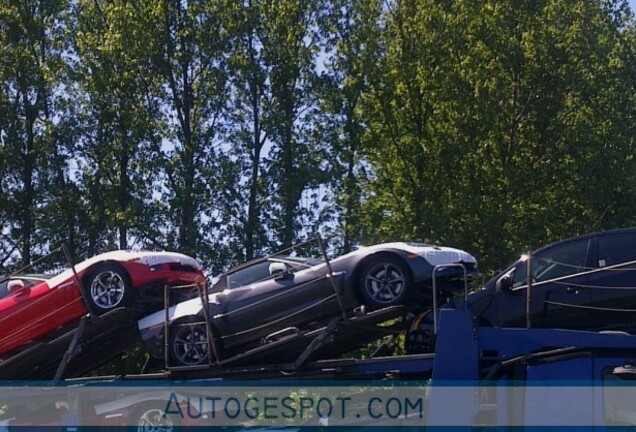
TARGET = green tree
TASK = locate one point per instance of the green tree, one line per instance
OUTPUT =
(351, 34)
(29, 73)
(410, 93)
(188, 52)
(247, 134)
(295, 167)
(489, 121)
(117, 116)
(556, 71)
(273, 132)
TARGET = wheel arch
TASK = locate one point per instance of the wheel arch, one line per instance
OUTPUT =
(192, 318)
(357, 270)
(97, 266)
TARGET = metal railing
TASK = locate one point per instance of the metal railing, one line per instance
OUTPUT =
(434, 279)
(213, 349)
(204, 296)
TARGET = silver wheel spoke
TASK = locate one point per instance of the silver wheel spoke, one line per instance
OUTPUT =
(384, 283)
(181, 341)
(387, 293)
(201, 350)
(190, 346)
(154, 420)
(103, 299)
(396, 279)
(107, 289)
(101, 283)
(109, 302)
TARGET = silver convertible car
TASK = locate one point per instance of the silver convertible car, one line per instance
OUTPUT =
(268, 295)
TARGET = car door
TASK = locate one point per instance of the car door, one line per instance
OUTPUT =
(613, 282)
(287, 299)
(25, 315)
(559, 277)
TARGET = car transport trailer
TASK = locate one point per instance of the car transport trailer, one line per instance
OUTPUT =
(478, 376)
(475, 376)
(96, 339)
(85, 344)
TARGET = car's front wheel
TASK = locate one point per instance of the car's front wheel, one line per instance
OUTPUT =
(108, 287)
(189, 343)
(385, 281)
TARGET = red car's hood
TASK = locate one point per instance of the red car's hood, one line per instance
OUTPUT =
(144, 257)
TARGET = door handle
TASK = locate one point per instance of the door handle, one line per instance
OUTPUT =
(572, 290)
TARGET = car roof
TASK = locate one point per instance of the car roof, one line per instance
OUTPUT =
(606, 233)
(279, 258)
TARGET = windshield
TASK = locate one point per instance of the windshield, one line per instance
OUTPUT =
(27, 280)
(557, 262)
(259, 270)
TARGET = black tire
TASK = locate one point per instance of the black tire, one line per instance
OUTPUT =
(189, 342)
(108, 287)
(385, 281)
(150, 416)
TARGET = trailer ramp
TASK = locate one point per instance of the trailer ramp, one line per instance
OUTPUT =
(77, 349)
(339, 336)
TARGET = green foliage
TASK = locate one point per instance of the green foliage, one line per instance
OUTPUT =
(351, 48)
(117, 121)
(133, 361)
(496, 127)
(30, 66)
(228, 129)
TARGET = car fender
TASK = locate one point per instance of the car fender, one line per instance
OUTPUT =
(419, 267)
(187, 308)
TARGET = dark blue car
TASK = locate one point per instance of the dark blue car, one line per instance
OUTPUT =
(586, 282)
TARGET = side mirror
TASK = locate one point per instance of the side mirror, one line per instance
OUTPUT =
(279, 270)
(504, 283)
(15, 285)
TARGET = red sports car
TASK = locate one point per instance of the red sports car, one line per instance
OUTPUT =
(32, 307)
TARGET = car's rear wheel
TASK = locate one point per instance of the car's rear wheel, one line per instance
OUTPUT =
(385, 281)
(189, 343)
(108, 287)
